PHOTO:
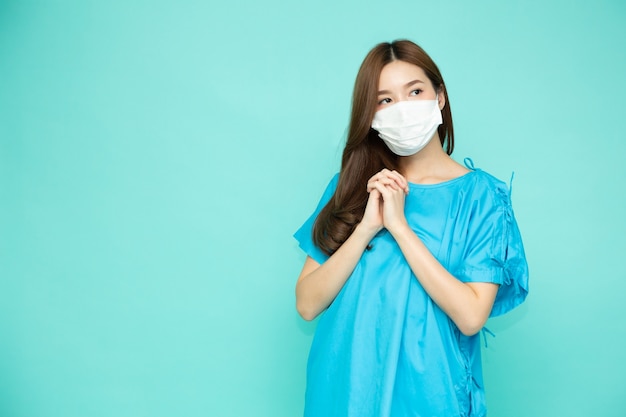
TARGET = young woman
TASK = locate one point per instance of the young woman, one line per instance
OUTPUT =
(408, 252)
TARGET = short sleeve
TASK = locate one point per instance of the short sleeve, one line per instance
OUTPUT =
(494, 251)
(304, 235)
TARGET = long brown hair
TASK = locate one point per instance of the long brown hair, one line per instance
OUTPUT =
(365, 153)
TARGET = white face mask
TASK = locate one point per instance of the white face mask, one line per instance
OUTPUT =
(407, 126)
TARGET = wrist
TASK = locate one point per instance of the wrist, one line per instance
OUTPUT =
(399, 228)
(367, 231)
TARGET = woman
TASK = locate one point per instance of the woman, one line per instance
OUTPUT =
(408, 252)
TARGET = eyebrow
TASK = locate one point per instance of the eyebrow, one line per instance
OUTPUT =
(409, 84)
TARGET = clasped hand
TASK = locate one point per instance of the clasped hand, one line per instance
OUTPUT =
(385, 205)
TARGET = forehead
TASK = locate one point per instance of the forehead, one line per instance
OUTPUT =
(398, 73)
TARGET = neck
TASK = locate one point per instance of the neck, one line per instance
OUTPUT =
(430, 165)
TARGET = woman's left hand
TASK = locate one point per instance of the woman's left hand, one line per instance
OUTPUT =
(393, 188)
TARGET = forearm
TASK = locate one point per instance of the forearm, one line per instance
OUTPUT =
(466, 306)
(318, 285)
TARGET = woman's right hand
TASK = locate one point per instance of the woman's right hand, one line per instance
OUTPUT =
(319, 284)
(372, 220)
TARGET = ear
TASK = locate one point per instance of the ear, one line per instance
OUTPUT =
(442, 97)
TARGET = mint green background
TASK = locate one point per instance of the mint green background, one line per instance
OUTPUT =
(155, 158)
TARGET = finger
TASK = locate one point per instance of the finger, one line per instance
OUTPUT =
(374, 195)
(387, 182)
(402, 182)
(373, 179)
(385, 192)
(390, 192)
(396, 176)
(383, 173)
(373, 200)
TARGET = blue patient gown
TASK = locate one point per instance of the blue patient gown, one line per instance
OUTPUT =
(383, 348)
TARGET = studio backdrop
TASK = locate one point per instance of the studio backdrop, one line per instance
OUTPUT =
(157, 156)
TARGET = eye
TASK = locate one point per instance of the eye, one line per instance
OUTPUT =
(415, 92)
(384, 101)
